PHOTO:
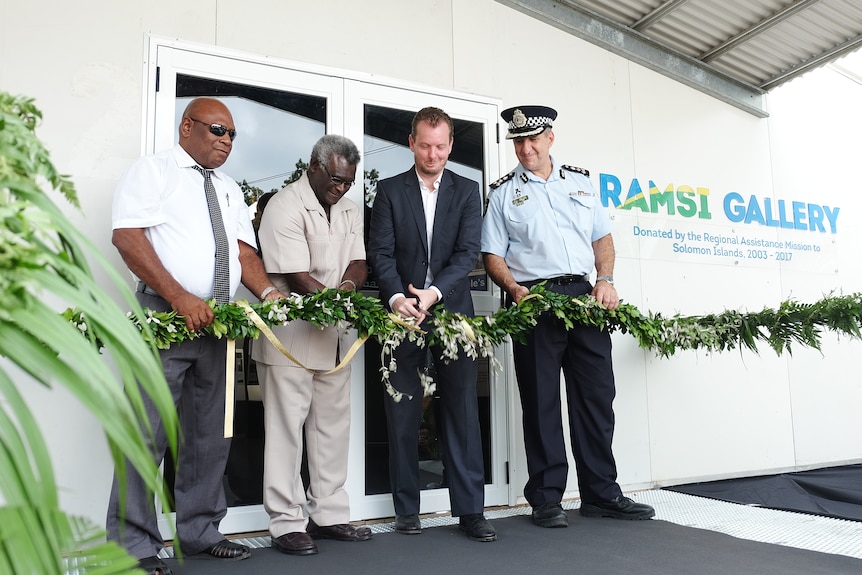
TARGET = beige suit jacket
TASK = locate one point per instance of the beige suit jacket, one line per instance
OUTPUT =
(295, 236)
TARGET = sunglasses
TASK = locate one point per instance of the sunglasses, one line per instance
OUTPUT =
(217, 129)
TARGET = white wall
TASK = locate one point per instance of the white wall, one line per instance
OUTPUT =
(693, 416)
(814, 137)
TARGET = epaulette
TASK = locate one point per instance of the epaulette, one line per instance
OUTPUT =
(502, 180)
(578, 170)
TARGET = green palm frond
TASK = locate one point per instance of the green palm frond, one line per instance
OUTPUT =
(43, 257)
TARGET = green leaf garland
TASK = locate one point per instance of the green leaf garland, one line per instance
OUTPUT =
(793, 323)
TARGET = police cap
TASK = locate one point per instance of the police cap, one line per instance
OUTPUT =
(527, 121)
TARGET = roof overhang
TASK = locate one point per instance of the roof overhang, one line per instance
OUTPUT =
(636, 47)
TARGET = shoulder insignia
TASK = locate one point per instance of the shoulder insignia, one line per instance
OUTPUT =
(502, 180)
(578, 170)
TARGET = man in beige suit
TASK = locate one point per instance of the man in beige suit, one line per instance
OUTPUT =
(310, 238)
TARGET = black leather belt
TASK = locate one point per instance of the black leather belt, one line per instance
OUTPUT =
(144, 288)
(560, 280)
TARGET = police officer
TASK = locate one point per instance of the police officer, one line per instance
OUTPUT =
(545, 223)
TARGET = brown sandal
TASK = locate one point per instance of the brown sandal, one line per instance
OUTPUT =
(154, 566)
(228, 550)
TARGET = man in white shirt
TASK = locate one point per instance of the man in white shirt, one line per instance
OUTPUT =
(183, 229)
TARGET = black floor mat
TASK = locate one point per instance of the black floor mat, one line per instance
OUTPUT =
(831, 492)
(586, 547)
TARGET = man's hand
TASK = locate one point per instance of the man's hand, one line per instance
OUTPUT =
(197, 312)
(415, 307)
(519, 292)
(502, 276)
(426, 297)
(606, 294)
(274, 294)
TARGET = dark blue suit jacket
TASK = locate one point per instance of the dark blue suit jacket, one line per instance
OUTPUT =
(398, 254)
(397, 242)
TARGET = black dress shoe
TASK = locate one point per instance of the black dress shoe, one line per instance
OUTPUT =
(228, 550)
(296, 543)
(408, 524)
(477, 527)
(618, 508)
(154, 566)
(339, 532)
(550, 515)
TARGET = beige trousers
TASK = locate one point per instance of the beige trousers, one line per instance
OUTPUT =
(293, 399)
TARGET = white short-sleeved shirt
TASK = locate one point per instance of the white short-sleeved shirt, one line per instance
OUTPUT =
(545, 229)
(164, 194)
(295, 236)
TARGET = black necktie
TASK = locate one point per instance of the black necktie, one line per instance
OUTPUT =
(221, 272)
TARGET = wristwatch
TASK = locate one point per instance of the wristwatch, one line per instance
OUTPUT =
(609, 279)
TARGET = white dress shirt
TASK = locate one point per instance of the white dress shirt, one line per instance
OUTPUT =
(429, 204)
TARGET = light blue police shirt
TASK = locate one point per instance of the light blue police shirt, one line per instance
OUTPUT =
(545, 229)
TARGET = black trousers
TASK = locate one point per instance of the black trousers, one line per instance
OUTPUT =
(584, 355)
(463, 462)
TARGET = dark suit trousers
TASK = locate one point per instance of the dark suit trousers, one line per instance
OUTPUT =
(460, 433)
(195, 372)
(584, 354)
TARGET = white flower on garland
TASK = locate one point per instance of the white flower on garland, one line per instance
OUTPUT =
(428, 385)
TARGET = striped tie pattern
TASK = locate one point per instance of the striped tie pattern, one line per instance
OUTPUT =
(221, 272)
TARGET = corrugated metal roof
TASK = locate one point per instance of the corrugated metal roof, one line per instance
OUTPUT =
(761, 43)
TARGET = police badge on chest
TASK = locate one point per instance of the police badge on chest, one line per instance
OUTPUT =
(519, 198)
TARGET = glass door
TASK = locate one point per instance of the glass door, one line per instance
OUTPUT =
(383, 116)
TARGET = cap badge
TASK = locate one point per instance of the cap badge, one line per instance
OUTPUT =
(519, 120)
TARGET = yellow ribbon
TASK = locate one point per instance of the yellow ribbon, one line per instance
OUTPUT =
(230, 373)
(267, 332)
(269, 335)
(396, 319)
(468, 330)
(231, 362)
(529, 296)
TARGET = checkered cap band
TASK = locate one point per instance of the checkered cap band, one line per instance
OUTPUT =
(534, 122)
(533, 126)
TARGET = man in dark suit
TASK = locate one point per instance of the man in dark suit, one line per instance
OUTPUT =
(423, 242)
